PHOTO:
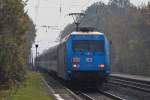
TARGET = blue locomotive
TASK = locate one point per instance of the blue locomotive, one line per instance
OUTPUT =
(79, 56)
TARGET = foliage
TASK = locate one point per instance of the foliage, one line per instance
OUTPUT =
(17, 34)
(128, 27)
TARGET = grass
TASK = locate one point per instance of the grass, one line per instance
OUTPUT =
(33, 89)
(4, 92)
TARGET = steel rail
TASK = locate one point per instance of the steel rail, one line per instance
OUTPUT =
(105, 93)
(73, 94)
(110, 95)
(127, 81)
(86, 96)
(131, 86)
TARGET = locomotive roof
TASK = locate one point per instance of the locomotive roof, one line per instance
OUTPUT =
(87, 33)
(82, 33)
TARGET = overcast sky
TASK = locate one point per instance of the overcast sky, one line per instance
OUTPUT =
(47, 12)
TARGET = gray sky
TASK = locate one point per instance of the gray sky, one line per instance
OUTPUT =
(47, 12)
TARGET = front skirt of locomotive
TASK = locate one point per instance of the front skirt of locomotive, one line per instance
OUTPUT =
(81, 76)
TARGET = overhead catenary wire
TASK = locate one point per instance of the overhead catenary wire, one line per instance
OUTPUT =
(83, 7)
(60, 12)
(38, 6)
(77, 10)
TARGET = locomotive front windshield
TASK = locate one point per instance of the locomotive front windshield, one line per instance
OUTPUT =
(88, 46)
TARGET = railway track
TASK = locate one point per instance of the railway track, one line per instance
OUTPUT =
(86, 96)
(99, 95)
(114, 97)
(59, 90)
(134, 84)
(81, 94)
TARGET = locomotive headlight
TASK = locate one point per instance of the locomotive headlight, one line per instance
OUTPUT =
(101, 65)
(74, 66)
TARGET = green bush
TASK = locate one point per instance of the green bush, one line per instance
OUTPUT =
(17, 34)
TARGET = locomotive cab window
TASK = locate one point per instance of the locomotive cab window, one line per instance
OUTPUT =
(88, 46)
